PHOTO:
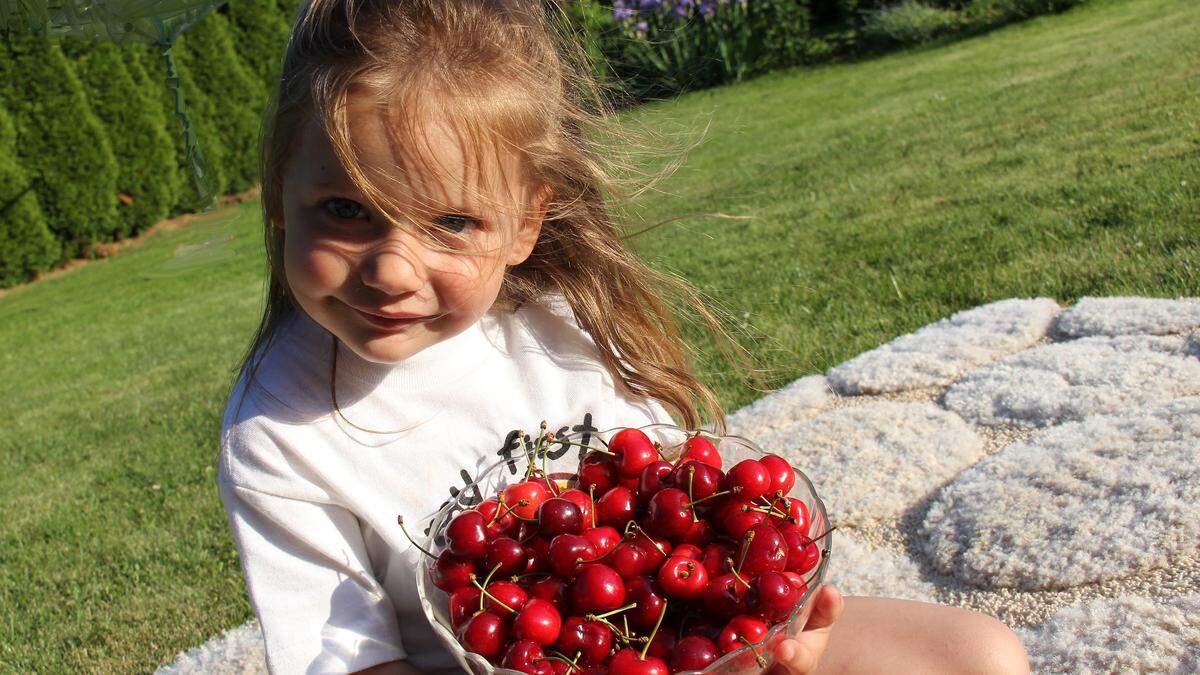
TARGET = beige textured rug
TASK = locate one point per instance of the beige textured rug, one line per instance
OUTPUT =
(1037, 463)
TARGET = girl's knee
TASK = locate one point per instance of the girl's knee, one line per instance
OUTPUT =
(991, 647)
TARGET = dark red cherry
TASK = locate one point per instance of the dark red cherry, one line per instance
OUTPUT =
(552, 589)
(751, 629)
(523, 655)
(716, 558)
(591, 639)
(669, 513)
(765, 551)
(725, 596)
(803, 554)
(484, 634)
(539, 621)
(634, 451)
(749, 479)
(450, 572)
(587, 508)
(568, 552)
(705, 480)
(597, 589)
(628, 559)
(652, 479)
(649, 596)
(497, 524)
(616, 507)
(699, 534)
(773, 596)
(511, 595)
(463, 603)
(559, 516)
(688, 551)
(735, 516)
(694, 652)
(466, 535)
(508, 554)
(603, 539)
(597, 474)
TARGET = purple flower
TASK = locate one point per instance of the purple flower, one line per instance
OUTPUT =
(641, 26)
(708, 8)
(621, 13)
(683, 9)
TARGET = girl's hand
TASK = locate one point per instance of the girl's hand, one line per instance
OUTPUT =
(800, 655)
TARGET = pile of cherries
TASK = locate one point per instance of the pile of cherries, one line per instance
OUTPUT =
(635, 564)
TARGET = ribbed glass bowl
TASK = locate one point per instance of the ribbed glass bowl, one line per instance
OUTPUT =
(561, 461)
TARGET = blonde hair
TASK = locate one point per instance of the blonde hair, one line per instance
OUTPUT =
(518, 79)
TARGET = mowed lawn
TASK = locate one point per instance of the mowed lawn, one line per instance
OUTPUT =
(1060, 157)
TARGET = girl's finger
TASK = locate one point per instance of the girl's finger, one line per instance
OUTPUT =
(827, 607)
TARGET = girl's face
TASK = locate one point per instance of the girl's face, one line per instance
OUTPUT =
(348, 268)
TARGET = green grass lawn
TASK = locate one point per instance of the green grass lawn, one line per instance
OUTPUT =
(1060, 157)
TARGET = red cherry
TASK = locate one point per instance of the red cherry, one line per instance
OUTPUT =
(701, 449)
(716, 558)
(537, 556)
(466, 535)
(630, 662)
(725, 596)
(484, 634)
(463, 603)
(591, 639)
(634, 451)
(603, 539)
(597, 588)
(450, 572)
(507, 553)
(705, 480)
(749, 479)
(683, 578)
(649, 596)
(552, 589)
(736, 516)
(748, 627)
(616, 507)
(773, 596)
(670, 513)
(688, 551)
(797, 582)
(765, 551)
(587, 508)
(803, 554)
(559, 516)
(652, 479)
(523, 655)
(662, 645)
(797, 513)
(568, 552)
(699, 534)
(694, 652)
(781, 473)
(526, 497)
(539, 621)
(496, 526)
(513, 596)
(628, 559)
(597, 473)
(656, 549)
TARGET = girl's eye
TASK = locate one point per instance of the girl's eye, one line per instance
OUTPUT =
(456, 223)
(344, 209)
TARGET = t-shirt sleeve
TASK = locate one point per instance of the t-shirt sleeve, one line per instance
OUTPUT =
(309, 580)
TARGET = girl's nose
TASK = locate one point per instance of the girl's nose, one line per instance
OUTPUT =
(393, 270)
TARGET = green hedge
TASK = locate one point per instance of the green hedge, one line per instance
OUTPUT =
(60, 142)
(26, 244)
(146, 179)
(260, 30)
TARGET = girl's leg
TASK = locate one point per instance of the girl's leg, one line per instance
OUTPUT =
(881, 635)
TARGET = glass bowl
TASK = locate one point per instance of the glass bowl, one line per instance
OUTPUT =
(560, 459)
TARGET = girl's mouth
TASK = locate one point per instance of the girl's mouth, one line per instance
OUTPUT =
(385, 322)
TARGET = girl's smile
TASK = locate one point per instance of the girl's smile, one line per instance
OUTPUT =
(386, 291)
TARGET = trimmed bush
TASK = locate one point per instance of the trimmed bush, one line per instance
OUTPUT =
(909, 23)
(233, 99)
(26, 244)
(176, 178)
(136, 129)
(60, 142)
(260, 30)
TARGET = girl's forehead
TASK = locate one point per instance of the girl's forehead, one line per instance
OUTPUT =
(426, 161)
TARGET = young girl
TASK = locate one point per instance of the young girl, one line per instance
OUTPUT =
(445, 271)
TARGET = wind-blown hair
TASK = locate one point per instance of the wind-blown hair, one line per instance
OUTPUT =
(507, 76)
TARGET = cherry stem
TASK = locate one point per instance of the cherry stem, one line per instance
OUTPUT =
(610, 453)
(655, 631)
(823, 534)
(422, 549)
(772, 512)
(762, 663)
(745, 549)
(483, 592)
(739, 577)
(714, 495)
(691, 500)
(592, 496)
(634, 526)
(595, 617)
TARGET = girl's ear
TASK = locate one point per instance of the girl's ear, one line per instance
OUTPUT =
(530, 227)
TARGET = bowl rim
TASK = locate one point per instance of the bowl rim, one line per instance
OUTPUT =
(441, 516)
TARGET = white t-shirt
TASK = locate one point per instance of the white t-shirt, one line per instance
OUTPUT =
(313, 501)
